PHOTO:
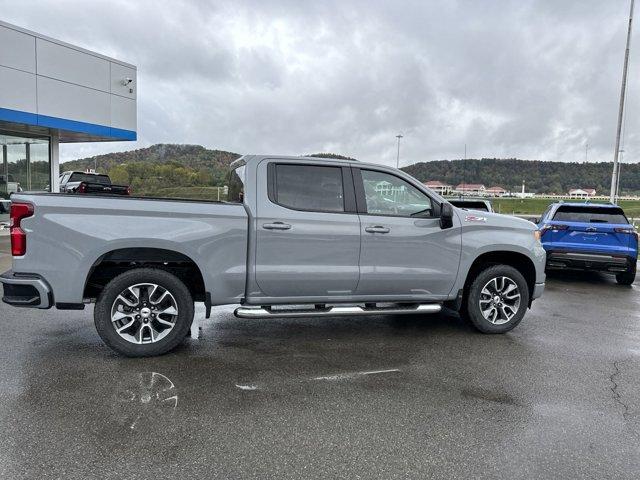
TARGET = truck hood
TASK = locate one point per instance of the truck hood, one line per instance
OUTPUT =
(471, 217)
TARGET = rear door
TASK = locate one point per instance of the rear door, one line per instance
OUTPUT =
(404, 250)
(591, 228)
(307, 230)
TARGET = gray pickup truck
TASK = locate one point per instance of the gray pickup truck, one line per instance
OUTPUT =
(298, 237)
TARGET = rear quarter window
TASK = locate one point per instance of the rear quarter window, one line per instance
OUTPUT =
(590, 215)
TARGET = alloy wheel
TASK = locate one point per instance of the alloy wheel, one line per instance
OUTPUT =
(144, 313)
(499, 300)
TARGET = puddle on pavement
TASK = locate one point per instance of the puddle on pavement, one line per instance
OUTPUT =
(144, 399)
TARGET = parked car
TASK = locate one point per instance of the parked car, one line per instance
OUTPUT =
(8, 184)
(4, 213)
(298, 237)
(590, 236)
(88, 182)
(472, 204)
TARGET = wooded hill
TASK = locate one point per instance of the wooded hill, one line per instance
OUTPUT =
(540, 177)
(191, 170)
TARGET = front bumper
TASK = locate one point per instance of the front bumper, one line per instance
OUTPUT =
(26, 290)
(538, 290)
(589, 261)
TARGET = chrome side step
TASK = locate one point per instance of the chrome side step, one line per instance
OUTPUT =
(333, 311)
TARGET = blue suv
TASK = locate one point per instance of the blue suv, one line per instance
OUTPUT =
(590, 236)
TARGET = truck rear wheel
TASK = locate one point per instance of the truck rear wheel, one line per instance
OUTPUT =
(497, 299)
(144, 312)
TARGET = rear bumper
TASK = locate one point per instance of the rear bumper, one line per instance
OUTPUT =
(26, 290)
(589, 261)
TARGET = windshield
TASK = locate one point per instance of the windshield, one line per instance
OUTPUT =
(90, 178)
(591, 214)
(236, 185)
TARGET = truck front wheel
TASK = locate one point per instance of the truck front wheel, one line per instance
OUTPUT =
(497, 299)
(144, 312)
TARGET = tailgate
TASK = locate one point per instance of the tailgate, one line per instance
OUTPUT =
(105, 189)
(592, 237)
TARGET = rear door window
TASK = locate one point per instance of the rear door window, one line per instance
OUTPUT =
(567, 213)
(309, 187)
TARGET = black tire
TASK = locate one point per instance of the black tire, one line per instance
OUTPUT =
(627, 278)
(166, 280)
(471, 309)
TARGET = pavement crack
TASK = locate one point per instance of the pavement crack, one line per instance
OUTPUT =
(615, 390)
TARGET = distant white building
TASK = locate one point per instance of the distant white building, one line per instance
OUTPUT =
(439, 187)
(396, 192)
(582, 192)
(470, 189)
(524, 193)
(495, 191)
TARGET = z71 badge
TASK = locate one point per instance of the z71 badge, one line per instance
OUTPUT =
(474, 218)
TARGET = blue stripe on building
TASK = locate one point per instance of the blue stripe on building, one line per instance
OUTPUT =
(17, 116)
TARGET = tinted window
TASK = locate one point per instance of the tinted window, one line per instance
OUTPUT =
(387, 194)
(309, 187)
(546, 212)
(568, 213)
(470, 205)
(236, 185)
(89, 178)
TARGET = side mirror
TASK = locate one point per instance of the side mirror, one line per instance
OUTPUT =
(446, 216)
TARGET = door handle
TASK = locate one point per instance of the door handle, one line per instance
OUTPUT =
(276, 226)
(377, 229)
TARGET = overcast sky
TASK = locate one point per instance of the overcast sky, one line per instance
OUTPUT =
(527, 79)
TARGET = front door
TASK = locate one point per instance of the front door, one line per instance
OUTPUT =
(307, 230)
(404, 250)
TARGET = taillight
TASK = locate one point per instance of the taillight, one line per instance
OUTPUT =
(82, 188)
(547, 226)
(624, 230)
(18, 236)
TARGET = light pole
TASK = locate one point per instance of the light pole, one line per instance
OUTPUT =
(399, 136)
(586, 153)
(615, 173)
(618, 176)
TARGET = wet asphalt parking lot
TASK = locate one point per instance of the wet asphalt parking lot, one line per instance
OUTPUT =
(375, 397)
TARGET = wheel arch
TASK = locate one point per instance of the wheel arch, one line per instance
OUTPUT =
(517, 260)
(120, 260)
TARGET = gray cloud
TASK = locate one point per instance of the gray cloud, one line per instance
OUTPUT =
(531, 79)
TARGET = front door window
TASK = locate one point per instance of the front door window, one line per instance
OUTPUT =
(389, 195)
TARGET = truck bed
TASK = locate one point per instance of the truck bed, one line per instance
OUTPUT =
(86, 228)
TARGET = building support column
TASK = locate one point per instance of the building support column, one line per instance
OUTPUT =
(55, 161)
(5, 169)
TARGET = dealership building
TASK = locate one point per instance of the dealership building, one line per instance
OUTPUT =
(52, 92)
